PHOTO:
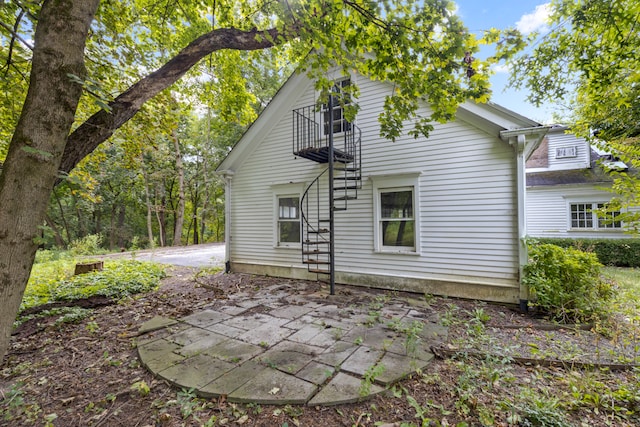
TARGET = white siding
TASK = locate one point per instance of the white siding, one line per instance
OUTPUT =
(559, 140)
(548, 211)
(468, 225)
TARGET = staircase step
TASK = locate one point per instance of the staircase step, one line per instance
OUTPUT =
(321, 231)
(317, 271)
(345, 160)
(346, 169)
(345, 198)
(324, 220)
(316, 242)
(348, 187)
(316, 252)
(339, 209)
(350, 178)
(315, 262)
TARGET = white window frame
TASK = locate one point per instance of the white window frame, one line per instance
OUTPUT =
(345, 123)
(567, 152)
(595, 219)
(390, 183)
(282, 192)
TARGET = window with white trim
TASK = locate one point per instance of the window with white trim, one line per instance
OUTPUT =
(339, 100)
(397, 223)
(583, 216)
(396, 215)
(288, 223)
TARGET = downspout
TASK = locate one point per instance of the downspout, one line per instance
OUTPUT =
(523, 253)
(517, 138)
(227, 175)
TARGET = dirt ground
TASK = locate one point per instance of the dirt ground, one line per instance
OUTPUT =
(88, 374)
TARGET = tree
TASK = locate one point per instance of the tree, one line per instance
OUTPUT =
(419, 45)
(589, 62)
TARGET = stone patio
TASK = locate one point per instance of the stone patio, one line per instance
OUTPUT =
(293, 344)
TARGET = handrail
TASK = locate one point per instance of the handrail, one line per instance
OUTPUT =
(304, 202)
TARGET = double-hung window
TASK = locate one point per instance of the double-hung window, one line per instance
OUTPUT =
(396, 215)
(339, 99)
(584, 217)
(288, 227)
(397, 223)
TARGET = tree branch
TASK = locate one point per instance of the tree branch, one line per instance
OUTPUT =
(14, 33)
(103, 124)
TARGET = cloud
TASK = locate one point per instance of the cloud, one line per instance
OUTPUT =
(536, 21)
(501, 68)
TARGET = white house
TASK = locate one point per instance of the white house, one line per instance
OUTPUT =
(442, 215)
(566, 180)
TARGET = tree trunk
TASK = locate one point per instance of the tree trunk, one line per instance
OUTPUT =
(160, 214)
(147, 199)
(82, 229)
(56, 233)
(63, 218)
(37, 145)
(196, 238)
(112, 227)
(122, 215)
(177, 233)
(205, 201)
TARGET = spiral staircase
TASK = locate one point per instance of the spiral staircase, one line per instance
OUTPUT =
(331, 191)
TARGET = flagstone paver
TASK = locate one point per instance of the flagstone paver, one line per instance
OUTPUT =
(285, 344)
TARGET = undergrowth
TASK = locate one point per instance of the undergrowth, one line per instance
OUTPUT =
(54, 281)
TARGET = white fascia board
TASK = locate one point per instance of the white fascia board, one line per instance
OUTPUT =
(493, 117)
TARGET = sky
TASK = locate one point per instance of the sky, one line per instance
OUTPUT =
(527, 16)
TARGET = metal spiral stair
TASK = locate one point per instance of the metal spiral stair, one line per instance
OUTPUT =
(330, 191)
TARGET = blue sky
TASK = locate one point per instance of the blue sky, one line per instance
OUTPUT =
(527, 16)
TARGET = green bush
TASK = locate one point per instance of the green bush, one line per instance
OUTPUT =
(565, 283)
(612, 252)
(88, 245)
(118, 279)
(54, 281)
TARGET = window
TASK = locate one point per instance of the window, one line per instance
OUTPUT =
(397, 225)
(339, 100)
(584, 217)
(565, 152)
(607, 220)
(288, 220)
(396, 216)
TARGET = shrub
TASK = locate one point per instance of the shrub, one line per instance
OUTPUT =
(565, 283)
(54, 281)
(613, 252)
(88, 245)
(118, 279)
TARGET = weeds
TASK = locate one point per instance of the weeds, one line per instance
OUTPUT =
(369, 378)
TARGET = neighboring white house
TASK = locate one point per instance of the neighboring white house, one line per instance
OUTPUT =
(566, 180)
(440, 215)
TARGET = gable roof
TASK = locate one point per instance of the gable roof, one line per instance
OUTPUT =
(492, 118)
